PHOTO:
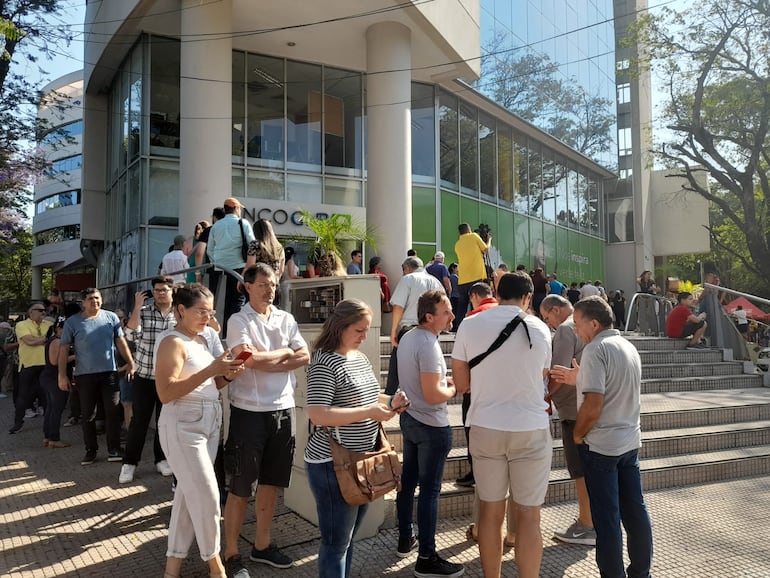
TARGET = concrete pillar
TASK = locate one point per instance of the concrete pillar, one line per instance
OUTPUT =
(206, 110)
(389, 142)
(37, 283)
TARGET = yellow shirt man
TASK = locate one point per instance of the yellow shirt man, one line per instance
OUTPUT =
(32, 349)
(470, 250)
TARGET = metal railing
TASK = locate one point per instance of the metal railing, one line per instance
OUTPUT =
(721, 329)
(647, 314)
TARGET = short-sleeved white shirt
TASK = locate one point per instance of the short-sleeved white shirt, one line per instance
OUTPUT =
(408, 292)
(507, 387)
(255, 390)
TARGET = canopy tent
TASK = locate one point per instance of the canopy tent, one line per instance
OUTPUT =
(752, 311)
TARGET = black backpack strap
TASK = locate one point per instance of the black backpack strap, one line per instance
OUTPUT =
(504, 334)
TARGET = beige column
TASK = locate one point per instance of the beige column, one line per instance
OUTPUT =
(206, 109)
(389, 142)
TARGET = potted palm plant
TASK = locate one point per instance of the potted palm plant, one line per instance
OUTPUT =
(331, 236)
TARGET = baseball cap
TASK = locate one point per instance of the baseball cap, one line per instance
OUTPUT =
(439, 255)
(232, 202)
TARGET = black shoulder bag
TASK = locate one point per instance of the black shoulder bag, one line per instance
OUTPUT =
(504, 334)
(244, 245)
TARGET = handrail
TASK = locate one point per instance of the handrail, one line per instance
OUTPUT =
(661, 316)
(748, 296)
(227, 270)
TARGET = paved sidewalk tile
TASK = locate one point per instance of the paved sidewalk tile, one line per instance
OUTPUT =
(60, 519)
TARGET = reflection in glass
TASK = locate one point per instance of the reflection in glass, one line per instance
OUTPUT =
(447, 115)
(535, 180)
(505, 164)
(342, 121)
(265, 88)
(469, 150)
(487, 155)
(238, 98)
(593, 206)
(303, 188)
(164, 95)
(521, 200)
(343, 192)
(584, 208)
(164, 184)
(573, 199)
(133, 211)
(560, 173)
(265, 185)
(303, 109)
(66, 199)
(423, 131)
(57, 235)
(135, 104)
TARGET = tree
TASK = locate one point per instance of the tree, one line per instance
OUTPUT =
(15, 267)
(331, 235)
(714, 59)
(530, 85)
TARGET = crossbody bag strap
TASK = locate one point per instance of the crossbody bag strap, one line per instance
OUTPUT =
(244, 246)
(504, 335)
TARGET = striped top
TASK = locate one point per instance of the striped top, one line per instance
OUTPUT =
(340, 381)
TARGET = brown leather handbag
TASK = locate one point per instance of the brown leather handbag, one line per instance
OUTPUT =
(365, 476)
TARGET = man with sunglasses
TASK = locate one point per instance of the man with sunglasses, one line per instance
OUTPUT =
(149, 318)
(31, 336)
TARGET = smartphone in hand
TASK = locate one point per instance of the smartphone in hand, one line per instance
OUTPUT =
(243, 356)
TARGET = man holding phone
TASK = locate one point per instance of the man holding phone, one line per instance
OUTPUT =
(422, 374)
(152, 314)
(260, 443)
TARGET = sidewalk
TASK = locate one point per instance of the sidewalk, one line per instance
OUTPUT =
(58, 518)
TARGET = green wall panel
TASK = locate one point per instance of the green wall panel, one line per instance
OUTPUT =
(469, 212)
(450, 220)
(562, 254)
(423, 219)
(502, 237)
(549, 239)
(521, 241)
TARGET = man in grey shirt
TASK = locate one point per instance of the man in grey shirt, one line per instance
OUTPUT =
(608, 436)
(422, 373)
(556, 311)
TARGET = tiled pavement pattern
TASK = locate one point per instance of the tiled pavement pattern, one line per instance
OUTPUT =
(58, 518)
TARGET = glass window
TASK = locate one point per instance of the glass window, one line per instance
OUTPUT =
(265, 185)
(549, 186)
(469, 150)
(238, 183)
(620, 220)
(238, 140)
(505, 164)
(487, 155)
(423, 132)
(65, 165)
(67, 199)
(535, 180)
(304, 189)
(57, 235)
(303, 111)
(343, 121)
(157, 246)
(573, 199)
(584, 208)
(125, 135)
(521, 200)
(132, 210)
(447, 115)
(164, 96)
(114, 141)
(594, 222)
(346, 192)
(560, 176)
(624, 93)
(164, 184)
(265, 98)
(624, 141)
(59, 136)
(135, 103)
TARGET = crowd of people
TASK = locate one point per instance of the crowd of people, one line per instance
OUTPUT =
(166, 362)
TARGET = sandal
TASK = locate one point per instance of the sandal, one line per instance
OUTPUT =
(507, 544)
(469, 533)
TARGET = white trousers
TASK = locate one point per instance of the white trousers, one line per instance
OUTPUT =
(189, 434)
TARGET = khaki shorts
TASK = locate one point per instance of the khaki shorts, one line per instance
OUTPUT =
(519, 462)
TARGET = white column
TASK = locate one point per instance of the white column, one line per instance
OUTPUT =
(389, 142)
(206, 110)
(37, 282)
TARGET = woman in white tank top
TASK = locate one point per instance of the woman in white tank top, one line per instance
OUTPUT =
(190, 366)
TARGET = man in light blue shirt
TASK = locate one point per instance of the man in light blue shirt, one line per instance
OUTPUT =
(228, 239)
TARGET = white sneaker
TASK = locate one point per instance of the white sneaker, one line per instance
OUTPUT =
(163, 468)
(30, 413)
(126, 474)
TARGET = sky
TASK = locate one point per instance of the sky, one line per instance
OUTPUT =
(67, 58)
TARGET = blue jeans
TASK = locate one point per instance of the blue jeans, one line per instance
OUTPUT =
(615, 490)
(337, 521)
(425, 451)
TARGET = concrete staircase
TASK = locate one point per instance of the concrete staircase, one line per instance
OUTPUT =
(703, 419)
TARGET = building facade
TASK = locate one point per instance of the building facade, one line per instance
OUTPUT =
(187, 104)
(56, 222)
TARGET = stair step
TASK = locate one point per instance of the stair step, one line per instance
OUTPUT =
(680, 356)
(702, 383)
(657, 371)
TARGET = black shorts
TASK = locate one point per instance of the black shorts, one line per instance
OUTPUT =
(690, 328)
(574, 466)
(260, 447)
(743, 328)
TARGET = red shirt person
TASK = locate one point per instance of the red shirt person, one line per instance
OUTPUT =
(682, 322)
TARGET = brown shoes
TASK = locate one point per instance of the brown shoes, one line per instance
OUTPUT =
(57, 444)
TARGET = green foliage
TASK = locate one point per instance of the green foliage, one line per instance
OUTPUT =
(331, 234)
(714, 60)
(15, 267)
